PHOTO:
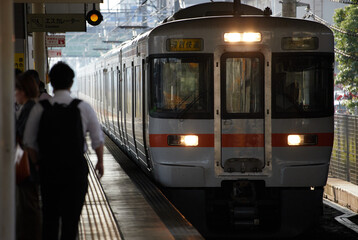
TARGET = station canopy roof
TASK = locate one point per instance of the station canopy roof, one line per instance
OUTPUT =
(122, 20)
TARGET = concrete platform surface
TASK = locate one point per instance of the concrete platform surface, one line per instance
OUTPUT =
(342, 192)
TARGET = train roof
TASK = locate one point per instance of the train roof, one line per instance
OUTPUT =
(214, 9)
(260, 23)
(225, 12)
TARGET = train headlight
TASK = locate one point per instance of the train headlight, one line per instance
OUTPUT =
(294, 140)
(183, 140)
(305, 139)
(242, 37)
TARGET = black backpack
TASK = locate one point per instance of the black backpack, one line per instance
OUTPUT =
(61, 142)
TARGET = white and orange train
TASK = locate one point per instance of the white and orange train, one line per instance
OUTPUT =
(228, 104)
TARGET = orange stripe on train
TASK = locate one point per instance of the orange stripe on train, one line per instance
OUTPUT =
(240, 140)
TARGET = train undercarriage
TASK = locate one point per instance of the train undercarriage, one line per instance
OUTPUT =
(249, 209)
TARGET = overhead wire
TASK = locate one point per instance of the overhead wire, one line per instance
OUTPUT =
(345, 2)
(349, 33)
(318, 19)
(345, 54)
(154, 13)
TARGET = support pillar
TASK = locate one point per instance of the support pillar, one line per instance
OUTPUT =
(7, 122)
(40, 58)
(289, 8)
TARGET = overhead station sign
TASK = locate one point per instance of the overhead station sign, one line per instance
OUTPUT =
(58, 1)
(54, 53)
(56, 41)
(56, 23)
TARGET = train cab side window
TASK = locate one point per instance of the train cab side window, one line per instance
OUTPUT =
(181, 87)
(302, 86)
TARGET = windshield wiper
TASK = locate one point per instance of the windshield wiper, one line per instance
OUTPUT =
(182, 102)
(190, 105)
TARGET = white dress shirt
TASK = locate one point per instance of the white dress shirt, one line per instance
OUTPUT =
(89, 121)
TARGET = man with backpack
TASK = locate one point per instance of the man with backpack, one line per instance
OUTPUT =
(55, 137)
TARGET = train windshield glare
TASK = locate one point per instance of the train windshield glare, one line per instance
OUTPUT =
(180, 87)
(302, 85)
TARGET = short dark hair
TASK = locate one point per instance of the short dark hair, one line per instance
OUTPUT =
(17, 72)
(61, 76)
(25, 82)
(34, 74)
(41, 87)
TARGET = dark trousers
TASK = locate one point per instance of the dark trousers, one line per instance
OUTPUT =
(28, 211)
(62, 203)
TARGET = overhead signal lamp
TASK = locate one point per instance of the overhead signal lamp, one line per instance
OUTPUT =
(94, 17)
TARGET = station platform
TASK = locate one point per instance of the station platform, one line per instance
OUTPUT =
(120, 207)
(124, 204)
(342, 192)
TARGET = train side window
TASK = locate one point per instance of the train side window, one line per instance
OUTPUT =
(129, 91)
(101, 86)
(107, 78)
(138, 91)
(119, 77)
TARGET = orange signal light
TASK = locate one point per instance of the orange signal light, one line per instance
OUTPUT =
(94, 17)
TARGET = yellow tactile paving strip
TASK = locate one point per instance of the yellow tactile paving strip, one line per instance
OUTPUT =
(97, 221)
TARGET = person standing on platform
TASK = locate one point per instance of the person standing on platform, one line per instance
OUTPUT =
(43, 93)
(55, 135)
(17, 106)
(28, 211)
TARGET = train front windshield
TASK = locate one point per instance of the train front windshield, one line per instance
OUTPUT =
(302, 85)
(181, 87)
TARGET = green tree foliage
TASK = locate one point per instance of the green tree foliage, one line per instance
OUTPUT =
(347, 19)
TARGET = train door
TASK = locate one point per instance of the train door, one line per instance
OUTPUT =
(125, 104)
(109, 100)
(242, 113)
(96, 94)
(138, 114)
(135, 107)
(114, 101)
(106, 98)
(101, 98)
(130, 86)
(119, 105)
(145, 82)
